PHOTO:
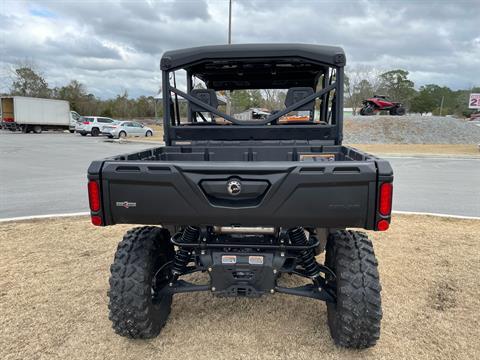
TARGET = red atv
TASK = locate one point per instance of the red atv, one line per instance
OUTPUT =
(380, 103)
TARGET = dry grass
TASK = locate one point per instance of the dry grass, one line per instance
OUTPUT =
(53, 302)
(420, 149)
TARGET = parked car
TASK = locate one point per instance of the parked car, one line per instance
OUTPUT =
(247, 203)
(93, 125)
(126, 128)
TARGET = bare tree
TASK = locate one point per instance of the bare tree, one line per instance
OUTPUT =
(361, 82)
(273, 98)
(28, 81)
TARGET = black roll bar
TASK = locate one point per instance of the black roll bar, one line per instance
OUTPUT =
(269, 119)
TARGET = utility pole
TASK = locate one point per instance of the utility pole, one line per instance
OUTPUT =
(230, 22)
(441, 105)
(227, 93)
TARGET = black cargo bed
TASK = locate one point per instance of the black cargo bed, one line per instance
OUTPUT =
(274, 151)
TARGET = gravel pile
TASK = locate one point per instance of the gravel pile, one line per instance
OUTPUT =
(410, 130)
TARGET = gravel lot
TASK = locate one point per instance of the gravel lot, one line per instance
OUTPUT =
(53, 301)
(410, 130)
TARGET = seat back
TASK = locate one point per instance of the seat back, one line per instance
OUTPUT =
(295, 94)
(207, 96)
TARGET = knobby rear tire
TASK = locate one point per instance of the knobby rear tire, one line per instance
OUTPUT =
(134, 312)
(355, 318)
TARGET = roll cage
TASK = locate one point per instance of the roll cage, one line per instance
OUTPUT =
(256, 66)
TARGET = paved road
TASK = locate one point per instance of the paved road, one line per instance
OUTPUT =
(437, 185)
(46, 173)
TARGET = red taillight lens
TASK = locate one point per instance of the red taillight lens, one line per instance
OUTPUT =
(96, 220)
(94, 195)
(383, 225)
(385, 203)
(86, 123)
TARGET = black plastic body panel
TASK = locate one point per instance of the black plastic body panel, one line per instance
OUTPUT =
(314, 192)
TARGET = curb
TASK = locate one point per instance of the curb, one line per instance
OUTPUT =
(436, 215)
(47, 216)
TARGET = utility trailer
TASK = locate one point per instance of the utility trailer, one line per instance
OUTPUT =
(247, 201)
(36, 114)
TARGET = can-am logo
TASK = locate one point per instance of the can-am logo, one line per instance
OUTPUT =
(234, 187)
(126, 204)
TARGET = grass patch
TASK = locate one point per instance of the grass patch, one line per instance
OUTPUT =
(420, 149)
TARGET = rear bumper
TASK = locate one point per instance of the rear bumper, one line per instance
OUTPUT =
(328, 195)
(109, 133)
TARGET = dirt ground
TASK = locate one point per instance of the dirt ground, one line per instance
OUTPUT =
(53, 302)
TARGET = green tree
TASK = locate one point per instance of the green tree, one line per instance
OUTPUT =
(426, 99)
(145, 106)
(245, 99)
(26, 82)
(75, 93)
(396, 85)
(122, 106)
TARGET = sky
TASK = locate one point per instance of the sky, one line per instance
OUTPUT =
(112, 46)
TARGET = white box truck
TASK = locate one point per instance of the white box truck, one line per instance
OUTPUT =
(36, 114)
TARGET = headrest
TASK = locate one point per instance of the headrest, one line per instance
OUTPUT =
(208, 96)
(295, 94)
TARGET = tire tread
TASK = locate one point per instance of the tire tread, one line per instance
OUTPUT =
(131, 310)
(355, 320)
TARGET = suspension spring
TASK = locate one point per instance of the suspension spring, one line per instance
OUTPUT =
(183, 256)
(306, 257)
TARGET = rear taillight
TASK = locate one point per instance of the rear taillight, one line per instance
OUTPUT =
(385, 202)
(383, 225)
(94, 196)
(384, 205)
(86, 123)
(96, 220)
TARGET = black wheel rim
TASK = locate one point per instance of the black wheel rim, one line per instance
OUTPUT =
(160, 279)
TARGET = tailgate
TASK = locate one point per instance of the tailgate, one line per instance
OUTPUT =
(336, 194)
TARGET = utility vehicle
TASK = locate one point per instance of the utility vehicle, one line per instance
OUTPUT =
(248, 202)
(379, 103)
